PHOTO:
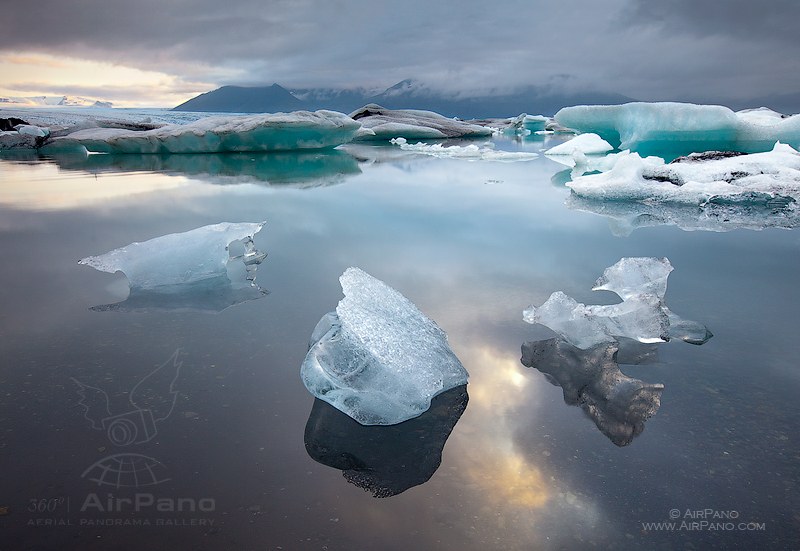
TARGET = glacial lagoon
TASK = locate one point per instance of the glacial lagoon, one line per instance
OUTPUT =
(184, 423)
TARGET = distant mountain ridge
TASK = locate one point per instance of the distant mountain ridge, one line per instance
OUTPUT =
(407, 94)
(54, 101)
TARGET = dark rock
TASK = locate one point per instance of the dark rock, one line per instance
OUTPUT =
(6, 125)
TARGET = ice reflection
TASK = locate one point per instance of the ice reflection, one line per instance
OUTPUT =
(297, 169)
(625, 217)
(384, 460)
(591, 379)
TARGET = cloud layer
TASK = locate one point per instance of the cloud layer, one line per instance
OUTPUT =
(673, 49)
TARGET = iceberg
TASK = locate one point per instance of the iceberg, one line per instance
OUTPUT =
(770, 178)
(380, 123)
(641, 283)
(209, 268)
(377, 358)
(591, 379)
(267, 132)
(384, 460)
(586, 144)
(469, 152)
(673, 129)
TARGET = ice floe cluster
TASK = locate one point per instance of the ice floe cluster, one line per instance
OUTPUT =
(471, 152)
(641, 283)
(717, 177)
(377, 358)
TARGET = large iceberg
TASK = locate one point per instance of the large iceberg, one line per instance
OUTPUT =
(641, 283)
(770, 178)
(380, 123)
(388, 460)
(209, 268)
(591, 379)
(267, 132)
(672, 129)
(377, 358)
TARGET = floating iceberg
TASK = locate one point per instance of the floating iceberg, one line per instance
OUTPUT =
(591, 379)
(718, 177)
(586, 144)
(469, 152)
(377, 358)
(383, 124)
(642, 314)
(389, 460)
(672, 129)
(625, 217)
(268, 132)
(206, 268)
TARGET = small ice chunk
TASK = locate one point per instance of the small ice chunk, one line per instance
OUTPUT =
(31, 130)
(588, 144)
(14, 140)
(377, 358)
(412, 124)
(224, 250)
(471, 152)
(591, 379)
(266, 132)
(642, 314)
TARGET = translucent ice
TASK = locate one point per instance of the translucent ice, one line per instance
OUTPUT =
(642, 314)
(385, 124)
(591, 379)
(216, 263)
(267, 132)
(715, 177)
(671, 129)
(384, 460)
(377, 358)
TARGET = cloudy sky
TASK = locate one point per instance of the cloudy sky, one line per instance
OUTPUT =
(162, 52)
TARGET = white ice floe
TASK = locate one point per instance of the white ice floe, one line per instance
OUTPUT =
(586, 144)
(385, 124)
(218, 250)
(268, 132)
(377, 358)
(698, 179)
(469, 152)
(642, 315)
(680, 128)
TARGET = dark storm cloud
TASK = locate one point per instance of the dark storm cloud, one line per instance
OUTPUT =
(652, 50)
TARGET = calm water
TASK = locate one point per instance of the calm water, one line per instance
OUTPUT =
(265, 467)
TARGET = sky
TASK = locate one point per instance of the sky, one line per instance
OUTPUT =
(161, 53)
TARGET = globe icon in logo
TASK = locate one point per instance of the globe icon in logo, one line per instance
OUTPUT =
(126, 470)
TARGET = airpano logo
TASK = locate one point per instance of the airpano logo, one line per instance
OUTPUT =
(152, 401)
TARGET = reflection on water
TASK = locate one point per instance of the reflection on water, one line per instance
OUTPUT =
(208, 295)
(300, 169)
(591, 379)
(624, 217)
(384, 460)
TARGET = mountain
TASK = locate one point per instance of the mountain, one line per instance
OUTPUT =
(55, 101)
(407, 94)
(242, 99)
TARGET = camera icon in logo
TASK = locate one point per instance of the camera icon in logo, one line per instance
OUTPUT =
(135, 427)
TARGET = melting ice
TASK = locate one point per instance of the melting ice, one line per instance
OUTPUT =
(642, 315)
(208, 268)
(380, 123)
(377, 358)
